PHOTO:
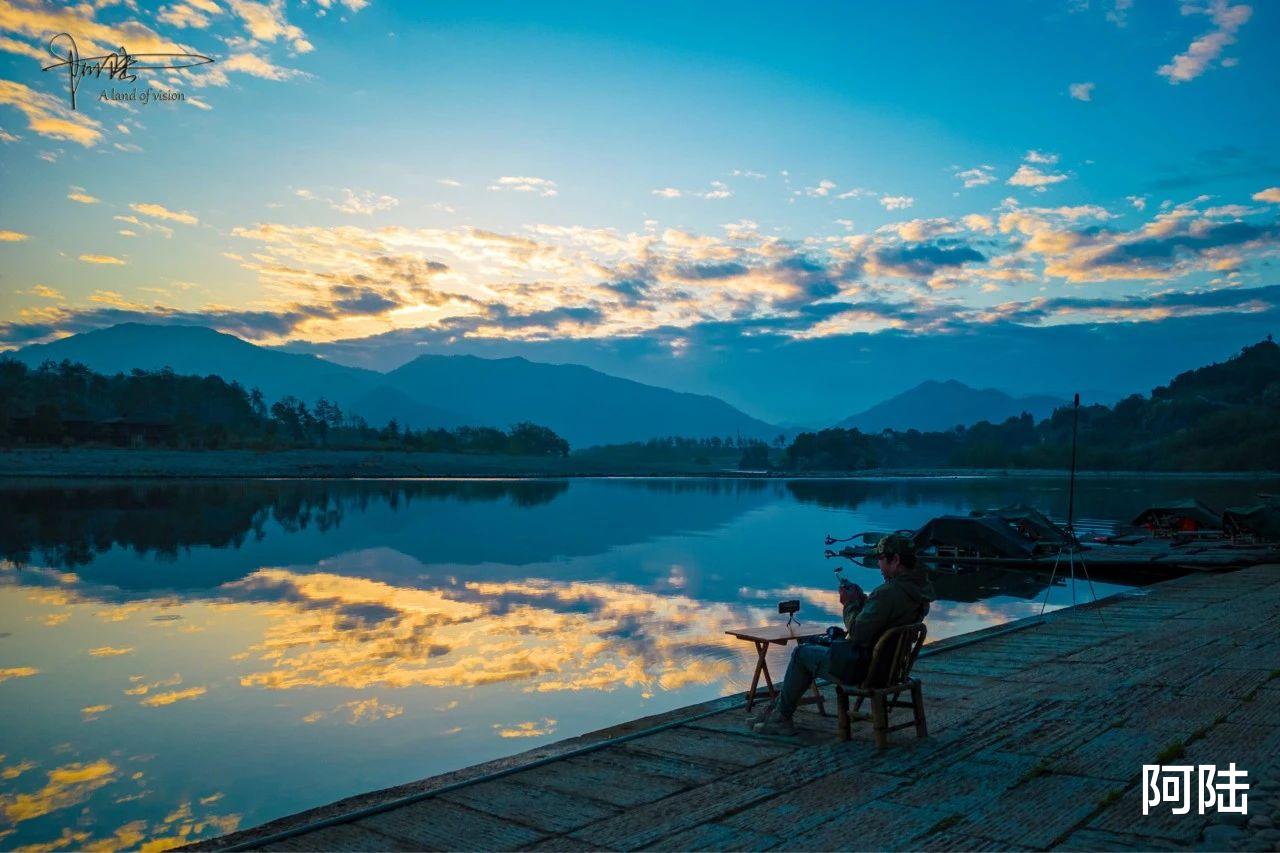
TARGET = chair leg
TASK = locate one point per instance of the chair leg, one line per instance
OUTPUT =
(857, 705)
(817, 699)
(917, 703)
(842, 714)
(880, 720)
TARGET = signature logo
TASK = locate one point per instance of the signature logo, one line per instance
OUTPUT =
(118, 65)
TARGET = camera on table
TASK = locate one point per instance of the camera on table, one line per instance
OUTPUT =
(825, 639)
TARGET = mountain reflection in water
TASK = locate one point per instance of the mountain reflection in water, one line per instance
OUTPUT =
(185, 657)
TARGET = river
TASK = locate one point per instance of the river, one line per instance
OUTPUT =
(179, 659)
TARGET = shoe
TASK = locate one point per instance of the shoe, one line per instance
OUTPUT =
(760, 715)
(777, 725)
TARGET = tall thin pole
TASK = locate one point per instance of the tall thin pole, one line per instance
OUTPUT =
(1071, 489)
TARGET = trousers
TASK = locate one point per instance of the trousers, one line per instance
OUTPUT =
(807, 662)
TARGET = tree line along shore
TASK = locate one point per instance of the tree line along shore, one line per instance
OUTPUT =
(64, 419)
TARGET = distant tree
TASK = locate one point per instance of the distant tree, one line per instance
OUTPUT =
(755, 457)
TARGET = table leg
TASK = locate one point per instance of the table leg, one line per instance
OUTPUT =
(764, 668)
(761, 648)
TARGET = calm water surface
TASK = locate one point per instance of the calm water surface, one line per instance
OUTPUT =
(181, 659)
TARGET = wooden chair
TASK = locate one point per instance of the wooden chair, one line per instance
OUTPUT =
(891, 661)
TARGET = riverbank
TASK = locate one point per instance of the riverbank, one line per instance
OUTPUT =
(1038, 734)
(346, 464)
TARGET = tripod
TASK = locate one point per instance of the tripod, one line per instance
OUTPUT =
(1072, 548)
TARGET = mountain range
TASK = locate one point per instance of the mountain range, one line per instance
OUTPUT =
(584, 406)
(936, 406)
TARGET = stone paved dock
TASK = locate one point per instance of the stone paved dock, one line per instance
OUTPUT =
(1037, 739)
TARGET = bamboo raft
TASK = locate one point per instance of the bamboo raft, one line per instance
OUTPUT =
(1038, 733)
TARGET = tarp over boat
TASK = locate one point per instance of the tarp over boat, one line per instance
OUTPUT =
(985, 535)
(1184, 515)
(1261, 521)
(1028, 522)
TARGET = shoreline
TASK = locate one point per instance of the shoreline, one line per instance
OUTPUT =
(94, 463)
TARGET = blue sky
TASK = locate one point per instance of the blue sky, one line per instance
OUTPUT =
(748, 200)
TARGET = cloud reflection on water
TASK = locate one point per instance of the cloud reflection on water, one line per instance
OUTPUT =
(413, 627)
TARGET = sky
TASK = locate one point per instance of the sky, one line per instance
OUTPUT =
(802, 210)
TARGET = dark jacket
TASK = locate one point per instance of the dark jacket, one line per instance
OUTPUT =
(900, 601)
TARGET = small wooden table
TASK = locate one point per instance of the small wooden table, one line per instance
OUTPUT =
(763, 637)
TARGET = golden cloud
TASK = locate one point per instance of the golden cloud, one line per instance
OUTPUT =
(69, 785)
(18, 672)
(102, 259)
(161, 699)
(159, 211)
(527, 729)
(110, 651)
(13, 771)
(542, 637)
(46, 114)
(13, 236)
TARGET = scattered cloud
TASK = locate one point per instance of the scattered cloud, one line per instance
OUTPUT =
(717, 190)
(1040, 158)
(358, 711)
(1082, 91)
(1030, 176)
(258, 66)
(1271, 194)
(977, 176)
(48, 115)
(537, 186)
(159, 699)
(1201, 54)
(821, 190)
(527, 729)
(13, 236)
(266, 22)
(67, 786)
(159, 211)
(110, 651)
(857, 192)
(102, 259)
(358, 202)
(13, 771)
(1138, 202)
(163, 230)
(18, 672)
(897, 202)
(188, 15)
(79, 195)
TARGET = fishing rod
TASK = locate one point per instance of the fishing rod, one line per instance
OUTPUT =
(1073, 543)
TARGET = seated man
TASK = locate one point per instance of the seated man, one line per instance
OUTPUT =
(901, 600)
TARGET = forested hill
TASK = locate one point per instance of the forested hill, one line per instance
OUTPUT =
(68, 404)
(1224, 417)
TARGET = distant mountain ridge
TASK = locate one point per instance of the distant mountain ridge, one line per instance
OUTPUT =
(571, 399)
(935, 406)
(582, 405)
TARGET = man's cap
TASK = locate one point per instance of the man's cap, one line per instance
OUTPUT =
(895, 543)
